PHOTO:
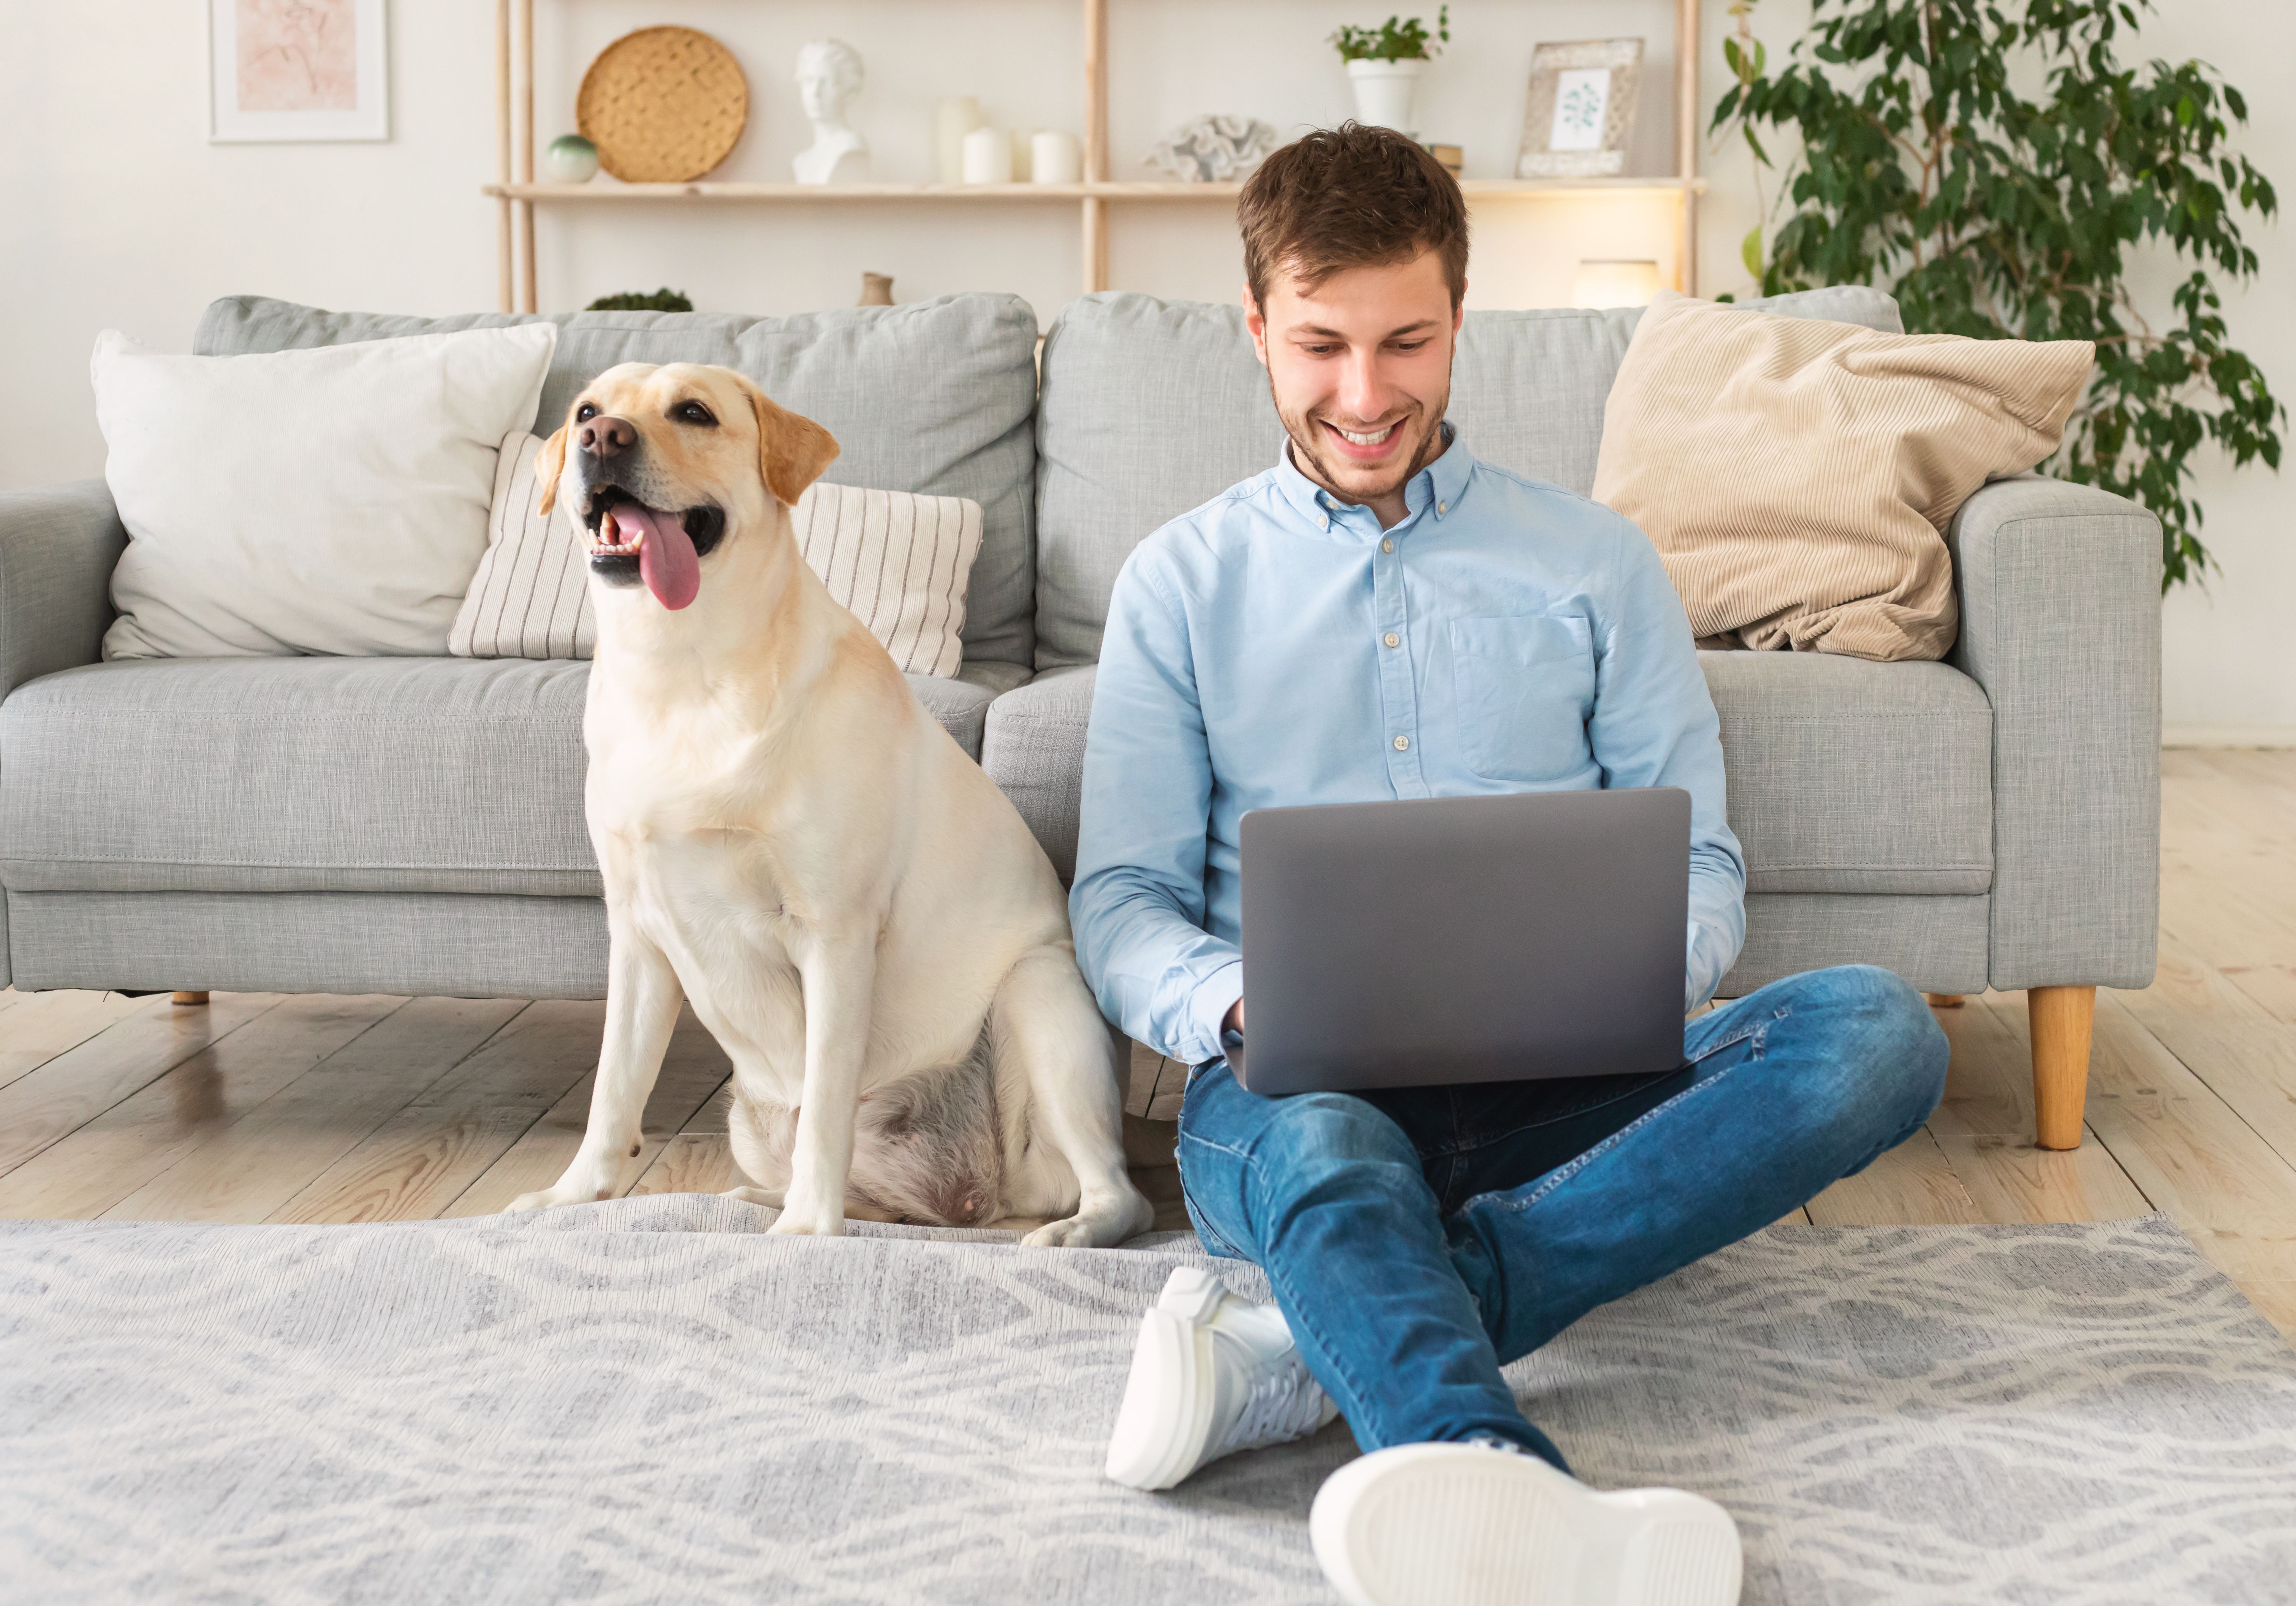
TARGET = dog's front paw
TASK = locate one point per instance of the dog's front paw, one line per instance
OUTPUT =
(1101, 1224)
(541, 1200)
(810, 1224)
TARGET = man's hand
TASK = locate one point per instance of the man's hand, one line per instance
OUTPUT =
(1232, 1021)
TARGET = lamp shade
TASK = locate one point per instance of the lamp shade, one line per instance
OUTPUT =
(1615, 281)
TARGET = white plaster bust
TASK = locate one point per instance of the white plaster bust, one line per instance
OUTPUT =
(828, 77)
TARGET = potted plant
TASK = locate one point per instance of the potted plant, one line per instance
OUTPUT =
(1384, 64)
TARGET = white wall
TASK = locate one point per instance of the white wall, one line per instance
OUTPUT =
(118, 212)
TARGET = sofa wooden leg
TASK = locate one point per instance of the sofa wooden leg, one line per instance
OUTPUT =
(2062, 1018)
(1944, 1000)
(190, 998)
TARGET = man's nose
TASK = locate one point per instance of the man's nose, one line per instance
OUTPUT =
(605, 436)
(1361, 393)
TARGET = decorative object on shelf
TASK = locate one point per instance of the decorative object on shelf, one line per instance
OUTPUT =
(828, 77)
(663, 105)
(987, 157)
(664, 299)
(569, 159)
(1451, 159)
(1384, 64)
(876, 290)
(314, 71)
(953, 117)
(1054, 157)
(1581, 108)
(1615, 281)
(1213, 148)
(2023, 210)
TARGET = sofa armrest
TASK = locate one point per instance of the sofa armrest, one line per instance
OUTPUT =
(2060, 624)
(58, 546)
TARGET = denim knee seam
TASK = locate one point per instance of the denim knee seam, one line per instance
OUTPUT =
(1562, 1173)
(1289, 1299)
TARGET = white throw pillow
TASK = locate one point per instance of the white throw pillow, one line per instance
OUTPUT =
(331, 499)
(900, 561)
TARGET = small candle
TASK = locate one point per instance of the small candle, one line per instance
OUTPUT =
(987, 157)
(1054, 158)
(956, 116)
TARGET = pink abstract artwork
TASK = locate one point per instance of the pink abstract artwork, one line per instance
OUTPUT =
(298, 55)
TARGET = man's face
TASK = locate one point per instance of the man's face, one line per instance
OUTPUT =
(1360, 368)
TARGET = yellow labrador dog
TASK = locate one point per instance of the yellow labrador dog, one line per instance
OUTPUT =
(791, 842)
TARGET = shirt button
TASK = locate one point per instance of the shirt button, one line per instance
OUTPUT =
(1324, 523)
(1387, 546)
(1443, 507)
(1392, 639)
(1403, 743)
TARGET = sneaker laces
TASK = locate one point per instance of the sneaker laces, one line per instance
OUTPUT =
(1286, 1403)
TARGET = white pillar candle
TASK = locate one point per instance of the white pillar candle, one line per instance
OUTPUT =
(956, 116)
(1055, 157)
(987, 157)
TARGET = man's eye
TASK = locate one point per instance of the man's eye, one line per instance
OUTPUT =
(1409, 345)
(1319, 351)
(586, 411)
(693, 412)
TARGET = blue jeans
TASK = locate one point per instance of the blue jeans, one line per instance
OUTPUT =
(1417, 1239)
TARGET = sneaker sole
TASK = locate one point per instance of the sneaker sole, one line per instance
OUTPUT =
(1161, 1424)
(1440, 1525)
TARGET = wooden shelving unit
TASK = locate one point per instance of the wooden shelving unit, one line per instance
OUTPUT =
(517, 194)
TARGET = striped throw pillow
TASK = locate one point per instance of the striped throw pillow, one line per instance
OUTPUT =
(900, 561)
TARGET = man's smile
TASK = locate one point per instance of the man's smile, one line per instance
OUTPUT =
(1362, 446)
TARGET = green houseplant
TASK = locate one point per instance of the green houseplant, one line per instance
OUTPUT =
(1384, 64)
(1994, 199)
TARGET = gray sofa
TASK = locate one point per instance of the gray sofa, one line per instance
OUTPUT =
(415, 826)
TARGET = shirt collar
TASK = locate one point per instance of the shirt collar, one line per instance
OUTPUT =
(1436, 488)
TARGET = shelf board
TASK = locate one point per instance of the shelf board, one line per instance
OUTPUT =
(1477, 189)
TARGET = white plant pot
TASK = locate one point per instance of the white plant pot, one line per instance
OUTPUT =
(1384, 91)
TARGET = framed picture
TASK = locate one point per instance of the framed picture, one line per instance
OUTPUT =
(297, 69)
(1581, 108)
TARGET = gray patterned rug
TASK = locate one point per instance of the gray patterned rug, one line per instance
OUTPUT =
(649, 1400)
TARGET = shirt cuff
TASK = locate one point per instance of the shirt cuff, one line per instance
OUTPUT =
(1209, 1006)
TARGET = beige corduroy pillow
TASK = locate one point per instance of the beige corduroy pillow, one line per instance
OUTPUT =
(1798, 476)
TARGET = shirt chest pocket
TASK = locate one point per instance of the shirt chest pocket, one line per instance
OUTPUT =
(1526, 685)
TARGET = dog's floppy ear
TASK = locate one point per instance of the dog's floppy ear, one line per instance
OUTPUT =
(791, 449)
(549, 463)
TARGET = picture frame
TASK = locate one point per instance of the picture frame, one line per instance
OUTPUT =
(1580, 110)
(298, 70)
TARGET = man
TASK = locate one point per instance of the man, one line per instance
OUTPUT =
(1303, 638)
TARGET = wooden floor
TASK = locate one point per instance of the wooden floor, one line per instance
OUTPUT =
(260, 1107)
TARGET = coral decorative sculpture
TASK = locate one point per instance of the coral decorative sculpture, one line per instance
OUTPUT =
(1212, 148)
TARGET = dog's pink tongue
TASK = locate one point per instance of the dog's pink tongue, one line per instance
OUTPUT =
(667, 563)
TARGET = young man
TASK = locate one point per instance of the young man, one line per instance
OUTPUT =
(1298, 640)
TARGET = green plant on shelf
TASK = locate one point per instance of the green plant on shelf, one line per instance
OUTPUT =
(664, 299)
(1393, 40)
(1993, 164)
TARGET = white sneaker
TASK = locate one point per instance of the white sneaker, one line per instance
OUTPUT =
(1212, 1374)
(1473, 1525)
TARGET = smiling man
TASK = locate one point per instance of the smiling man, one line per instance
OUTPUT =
(1297, 640)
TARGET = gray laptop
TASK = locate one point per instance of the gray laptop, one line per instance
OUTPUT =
(1463, 939)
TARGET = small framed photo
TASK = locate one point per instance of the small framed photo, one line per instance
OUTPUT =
(1580, 111)
(297, 70)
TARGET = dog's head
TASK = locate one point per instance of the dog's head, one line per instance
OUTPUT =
(664, 466)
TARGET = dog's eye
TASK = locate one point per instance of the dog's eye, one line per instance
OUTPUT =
(584, 413)
(693, 412)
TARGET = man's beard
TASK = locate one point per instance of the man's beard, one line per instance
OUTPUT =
(1309, 446)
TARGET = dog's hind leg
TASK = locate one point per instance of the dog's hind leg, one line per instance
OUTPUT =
(643, 997)
(1044, 1024)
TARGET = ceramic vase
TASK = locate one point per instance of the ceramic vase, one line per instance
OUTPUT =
(1383, 91)
(569, 159)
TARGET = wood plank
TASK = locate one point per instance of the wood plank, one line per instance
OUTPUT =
(694, 1069)
(1913, 1183)
(2273, 987)
(421, 1159)
(40, 1026)
(107, 1158)
(2194, 1159)
(2274, 1301)
(256, 1165)
(80, 1084)
(1989, 1083)
(2229, 1041)
(691, 1162)
(2012, 1181)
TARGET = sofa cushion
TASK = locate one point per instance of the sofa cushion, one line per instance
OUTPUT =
(315, 774)
(934, 397)
(1844, 775)
(1151, 408)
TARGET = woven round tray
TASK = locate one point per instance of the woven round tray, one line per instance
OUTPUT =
(663, 105)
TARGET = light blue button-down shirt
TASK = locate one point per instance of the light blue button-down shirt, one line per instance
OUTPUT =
(1277, 646)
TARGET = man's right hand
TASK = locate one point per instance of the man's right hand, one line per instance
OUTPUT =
(1232, 1021)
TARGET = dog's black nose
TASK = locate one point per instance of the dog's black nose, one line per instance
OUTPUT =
(605, 436)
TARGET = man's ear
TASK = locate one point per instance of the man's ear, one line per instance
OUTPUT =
(1256, 321)
(549, 463)
(791, 449)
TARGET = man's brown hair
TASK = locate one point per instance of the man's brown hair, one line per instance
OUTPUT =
(1349, 197)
